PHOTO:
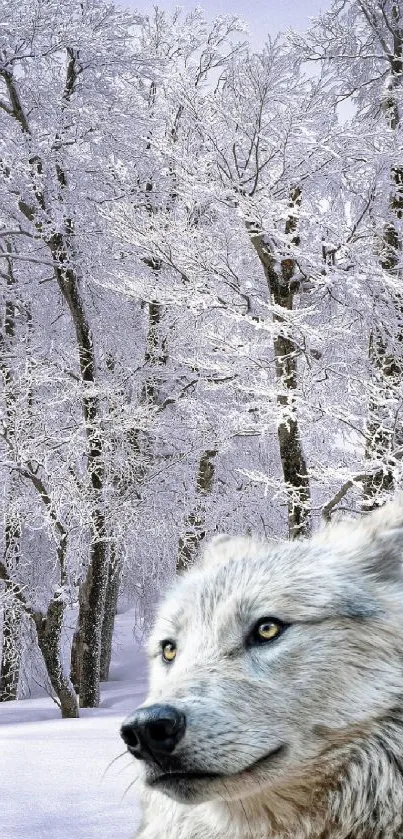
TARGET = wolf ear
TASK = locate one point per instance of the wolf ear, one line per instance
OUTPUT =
(374, 543)
(382, 533)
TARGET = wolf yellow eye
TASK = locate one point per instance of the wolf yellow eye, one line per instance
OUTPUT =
(266, 630)
(168, 651)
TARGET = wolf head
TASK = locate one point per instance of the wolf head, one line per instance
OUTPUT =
(265, 656)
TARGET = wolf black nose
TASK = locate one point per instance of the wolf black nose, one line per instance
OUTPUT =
(153, 730)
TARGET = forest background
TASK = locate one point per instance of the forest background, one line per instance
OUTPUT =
(201, 304)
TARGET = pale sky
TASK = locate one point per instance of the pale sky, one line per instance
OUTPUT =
(263, 16)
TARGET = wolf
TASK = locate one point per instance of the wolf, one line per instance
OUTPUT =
(275, 707)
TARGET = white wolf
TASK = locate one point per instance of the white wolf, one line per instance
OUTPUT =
(276, 691)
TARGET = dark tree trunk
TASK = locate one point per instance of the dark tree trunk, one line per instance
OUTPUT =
(156, 352)
(91, 615)
(381, 439)
(282, 290)
(11, 649)
(75, 659)
(12, 618)
(111, 602)
(93, 589)
(61, 244)
(49, 629)
(195, 525)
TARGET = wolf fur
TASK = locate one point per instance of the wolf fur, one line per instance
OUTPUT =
(304, 734)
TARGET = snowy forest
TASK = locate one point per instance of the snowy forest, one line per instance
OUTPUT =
(201, 309)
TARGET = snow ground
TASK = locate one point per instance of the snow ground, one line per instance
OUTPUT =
(54, 776)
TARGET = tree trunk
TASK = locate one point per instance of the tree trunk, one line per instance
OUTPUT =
(195, 526)
(91, 616)
(111, 602)
(156, 351)
(12, 618)
(61, 244)
(282, 290)
(381, 438)
(11, 649)
(92, 595)
(75, 659)
(49, 629)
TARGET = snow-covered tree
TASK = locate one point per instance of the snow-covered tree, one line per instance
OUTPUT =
(69, 72)
(201, 319)
(359, 45)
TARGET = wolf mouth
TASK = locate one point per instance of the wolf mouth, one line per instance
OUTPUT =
(173, 776)
(183, 776)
